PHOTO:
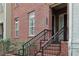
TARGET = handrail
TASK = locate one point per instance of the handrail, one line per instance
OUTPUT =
(38, 37)
(35, 36)
(26, 43)
(19, 51)
(49, 41)
(53, 36)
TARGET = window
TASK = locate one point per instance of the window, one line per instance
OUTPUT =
(61, 25)
(1, 30)
(46, 21)
(61, 21)
(17, 26)
(16, 4)
(32, 23)
(1, 7)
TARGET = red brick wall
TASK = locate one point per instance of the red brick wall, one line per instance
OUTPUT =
(42, 11)
(22, 10)
(64, 48)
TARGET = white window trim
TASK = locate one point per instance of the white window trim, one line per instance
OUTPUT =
(31, 16)
(15, 27)
(18, 24)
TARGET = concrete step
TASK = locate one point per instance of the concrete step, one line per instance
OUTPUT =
(46, 54)
(53, 48)
(54, 45)
(42, 42)
(9, 55)
(51, 52)
(39, 54)
(49, 55)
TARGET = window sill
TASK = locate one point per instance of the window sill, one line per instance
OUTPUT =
(16, 37)
(30, 36)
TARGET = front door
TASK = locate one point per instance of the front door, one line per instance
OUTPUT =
(59, 21)
(53, 25)
(63, 23)
(1, 30)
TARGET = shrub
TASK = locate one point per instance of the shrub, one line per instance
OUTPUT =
(7, 45)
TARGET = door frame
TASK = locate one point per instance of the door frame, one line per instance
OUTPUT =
(59, 18)
(65, 28)
(1, 29)
(53, 19)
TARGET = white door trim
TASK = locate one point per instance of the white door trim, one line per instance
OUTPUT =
(70, 28)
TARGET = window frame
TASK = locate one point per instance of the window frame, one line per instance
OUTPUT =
(16, 25)
(31, 19)
(60, 16)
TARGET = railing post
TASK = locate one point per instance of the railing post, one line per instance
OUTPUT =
(42, 52)
(23, 50)
(44, 35)
(45, 32)
(18, 52)
(40, 44)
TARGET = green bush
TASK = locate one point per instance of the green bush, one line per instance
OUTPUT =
(7, 45)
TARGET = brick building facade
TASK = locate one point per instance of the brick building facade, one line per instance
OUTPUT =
(27, 20)
(22, 12)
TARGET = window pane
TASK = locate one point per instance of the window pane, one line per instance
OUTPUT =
(61, 25)
(17, 26)
(17, 33)
(32, 30)
(61, 21)
(31, 23)
(1, 7)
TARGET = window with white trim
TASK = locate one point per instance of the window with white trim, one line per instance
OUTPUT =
(17, 26)
(32, 24)
(1, 7)
(16, 4)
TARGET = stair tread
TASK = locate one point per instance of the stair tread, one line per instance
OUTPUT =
(46, 54)
(44, 43)
(53, 47)
(51, 51)
(54, 44)
(50, 55)
(39, 54)
(9, 55)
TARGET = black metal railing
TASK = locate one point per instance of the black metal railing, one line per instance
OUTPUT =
(20, 52)
(57, 37)
(33, 46)
(1, 35)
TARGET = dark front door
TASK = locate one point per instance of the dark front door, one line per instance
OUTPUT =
(53, 24)
(59, 20)
(63, 23)
(65, 27)
(1, 30)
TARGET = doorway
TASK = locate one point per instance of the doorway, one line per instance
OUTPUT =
(59, 20)
(1, 30)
